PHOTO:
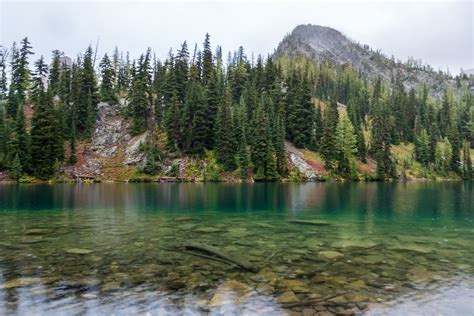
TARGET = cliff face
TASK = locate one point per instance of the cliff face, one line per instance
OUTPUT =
(329, 45)
(113, 153)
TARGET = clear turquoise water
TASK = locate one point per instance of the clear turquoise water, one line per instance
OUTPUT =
(103, 248)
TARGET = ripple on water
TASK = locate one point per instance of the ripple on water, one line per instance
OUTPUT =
(456, 298)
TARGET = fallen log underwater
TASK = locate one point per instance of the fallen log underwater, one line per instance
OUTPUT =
(309, 222)
(213, 253)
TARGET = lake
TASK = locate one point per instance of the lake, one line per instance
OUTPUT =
(317, 248)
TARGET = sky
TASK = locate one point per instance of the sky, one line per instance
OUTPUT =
(440, 33)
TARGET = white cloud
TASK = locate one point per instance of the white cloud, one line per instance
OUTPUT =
(438, 32)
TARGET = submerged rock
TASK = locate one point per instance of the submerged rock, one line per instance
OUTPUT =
(331, 255)
(312, 243)
(230, 292)
(287, 298)
(413, 247)
(296, 286)
(310, 222)
(362, 244)
(36, 232)
(26, 281)
(208, 230)
(78, 251)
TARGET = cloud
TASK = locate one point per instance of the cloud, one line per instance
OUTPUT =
(438, 32)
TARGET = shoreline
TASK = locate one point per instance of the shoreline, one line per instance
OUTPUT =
(180, 180)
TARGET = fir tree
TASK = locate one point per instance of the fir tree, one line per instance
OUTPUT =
(138, 96)
(194, 125)
(172, 122)
(107, 71)
(345, 145)
(241, 137)
(3, 73)
(15, 170)
(225, 146)
(331, 117)
(300, 114)
(3, 139)
(454, 138)
(423, 148)
(207, 65)
(20, 80)
(55, 72)
(46, 146)
(467, 170)
(87, 98)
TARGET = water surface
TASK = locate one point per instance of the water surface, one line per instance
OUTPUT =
(103, 248)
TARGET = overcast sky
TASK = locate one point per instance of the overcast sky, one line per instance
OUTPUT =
(438, 32)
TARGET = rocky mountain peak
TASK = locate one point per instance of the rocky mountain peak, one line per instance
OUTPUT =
(329, 45)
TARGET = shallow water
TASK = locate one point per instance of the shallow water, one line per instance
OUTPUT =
(385, 247)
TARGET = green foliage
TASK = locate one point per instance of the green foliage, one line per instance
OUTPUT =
(331, 117)
(346, 146)
(194, 119)
(46, 147)
(422, 148)
(15, 169)
(443, 156)
(139, 94)
(226, 144)
(212, 170)
(241, 110)
(301, 114)
(107, 89)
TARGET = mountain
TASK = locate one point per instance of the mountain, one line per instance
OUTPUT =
(329, 45)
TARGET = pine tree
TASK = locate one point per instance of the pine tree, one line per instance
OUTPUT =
(443, 155)
(300, 117)
(279, 145)
(423, 148)
(225, 145)
(433, 141)
(207, 65)
(454, 138)
(467, 170)
(172, 122)
(55, 72)
(271, 172)
(46, 146)
(3, 73)
(381, 140)
(260, 140)
(87, 98)
(15, 170)
(214, 98)
(345, 145)
(123, 76)
(194, 125)
(107, 89)
(46, 137)
(23, 140)
(138, 96)
(241, 137)
(318, 127)
(331, 117)
(20, 80)
(181, 71)
(4, 135)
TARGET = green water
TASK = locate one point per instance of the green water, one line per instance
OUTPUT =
(96, 249)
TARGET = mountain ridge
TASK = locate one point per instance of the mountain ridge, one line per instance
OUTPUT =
(327, 44)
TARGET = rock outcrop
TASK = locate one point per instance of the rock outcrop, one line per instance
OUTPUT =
(112, 149)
